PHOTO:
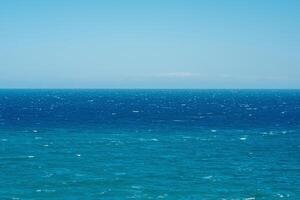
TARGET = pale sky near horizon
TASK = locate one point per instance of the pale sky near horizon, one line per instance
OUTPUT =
(149, 44)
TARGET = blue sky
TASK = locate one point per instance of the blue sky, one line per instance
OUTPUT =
(149, 44)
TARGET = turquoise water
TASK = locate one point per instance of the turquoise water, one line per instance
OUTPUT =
(233, 145)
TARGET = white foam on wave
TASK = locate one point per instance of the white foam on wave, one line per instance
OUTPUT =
(268, 133)
(207, 177)
(136, 187)
(45, 190)
(30, 156)
(283, 195)
(147, 140)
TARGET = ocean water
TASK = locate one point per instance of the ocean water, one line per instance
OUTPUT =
(149, 144)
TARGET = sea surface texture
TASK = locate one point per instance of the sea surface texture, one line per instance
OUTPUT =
(149, 144)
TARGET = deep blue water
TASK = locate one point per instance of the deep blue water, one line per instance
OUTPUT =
(150, 144)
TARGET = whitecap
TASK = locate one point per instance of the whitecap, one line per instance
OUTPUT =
(243, 138)
(45, 190)
(30, 156)
(280, 195)
(207, 177)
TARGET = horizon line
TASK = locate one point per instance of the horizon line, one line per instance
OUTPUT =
(130, 88)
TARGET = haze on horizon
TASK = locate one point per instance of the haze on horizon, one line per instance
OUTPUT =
(149, 44)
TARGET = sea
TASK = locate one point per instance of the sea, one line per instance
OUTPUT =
(149, 144)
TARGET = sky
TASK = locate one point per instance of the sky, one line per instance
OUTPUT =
(150, 44)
